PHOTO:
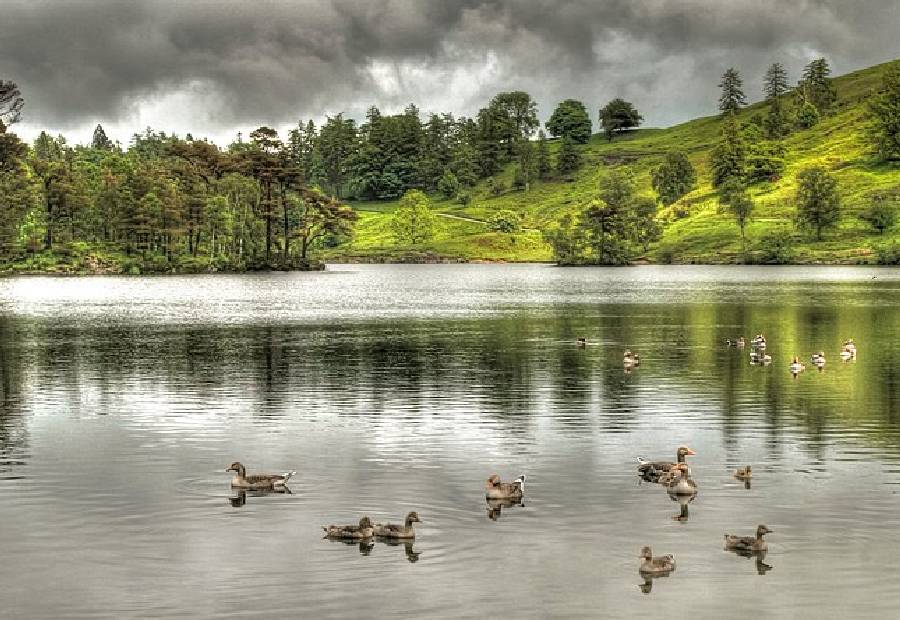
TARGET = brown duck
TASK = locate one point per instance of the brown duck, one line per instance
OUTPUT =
(505, 490)
(257, 481)
(656, 566)
(748, 543)
(350, 532)
(392, 530)
(744, 473)
(682, 484)
(650, 471)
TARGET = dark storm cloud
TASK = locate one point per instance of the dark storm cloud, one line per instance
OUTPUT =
(246, 62)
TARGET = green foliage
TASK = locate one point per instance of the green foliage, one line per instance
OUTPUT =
(617, 116)
(777, 122)
(888, 253)
(732, 98)
(818, 202)
(570, 118)
(505, 221)
(775, 82)
(816, 87)
(100, 141)
(544, 165)
(733, 195)
(448, 186)
(765, 158)
(807, 114)
(882, 215)
(674, 178)
(885, 109)
(568, 159)
(729, 157)
(414, 221)
(646, 228)
(776, 248)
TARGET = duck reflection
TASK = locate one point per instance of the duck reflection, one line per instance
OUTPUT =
(496, 506)
(647, 586)
(683, 501)
(364, 545)
(761, 567)
(412, 556)
(239, 500)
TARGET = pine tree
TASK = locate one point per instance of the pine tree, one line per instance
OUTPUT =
(100, 141)
(818, 202)
(568, 159)
(732, 98)
(775, 83)
(729, 157)
(544, 167)
(815, 85)
(674, 178)
(776, 123)
(885, 108)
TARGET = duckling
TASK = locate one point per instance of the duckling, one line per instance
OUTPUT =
(257, 481)
(796, 366)
(748, 543)
(744, 473)
(651, 471)
(683, 484)
(818, 358)
(658, 565)
(505, 490)
(353, 532)
(392, 530)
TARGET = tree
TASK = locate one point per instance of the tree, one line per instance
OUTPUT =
(775, 82)
(617, 116)
(505, 221)
(765, 158)
(336, 142)
(568, 159)
(732, 98)
(729, 156)
(448, 185)
(11, 104)
(818, 201)
(100, 141)
(885, 108)
(674, 178)
(733, 195)
(520, 112)
(413, 222)
(647, 228)
(526, 171)
(319, 217)
(544, 166)
(776, 123)
(464, 165)
(882, 215)
(807, 114)
(815, 85)
(570, 118)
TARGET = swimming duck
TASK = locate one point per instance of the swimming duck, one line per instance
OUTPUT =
(757, 357)
(257, 481)
(796, 366)
(351, 532)
(683, 484)
(748, 543)
(759, 341)
(581, 342)
(738, 342)
(850, 347)
(658, 565)
(818, 358)
(631, 359)
(505, 490)
(743, 473)
(650, 471)
(392, 530)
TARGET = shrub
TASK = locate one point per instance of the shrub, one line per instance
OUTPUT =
(776, 248)
(888, 253)
(882, 215)
(505, 221)
(464, 198)
(448, 185)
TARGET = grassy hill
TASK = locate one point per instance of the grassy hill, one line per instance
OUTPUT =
(695, 230)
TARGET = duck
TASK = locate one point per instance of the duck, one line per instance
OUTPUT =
(796, 366)
(850, 347)
(581, 342)
(759, 341)
(738, 342)
(683, 484)
(392, 530)
(650, 471)
(818, 358)
(757, 357)
(744, 473)
(257, 481)
(656, 565)
(505, 490)
(350, 532)
(631, 359)
(748, 543)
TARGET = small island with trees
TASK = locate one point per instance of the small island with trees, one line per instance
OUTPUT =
(809, 174)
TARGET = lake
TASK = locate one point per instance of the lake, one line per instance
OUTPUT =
(392, 388)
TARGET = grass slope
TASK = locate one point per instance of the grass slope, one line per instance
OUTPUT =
(695, 230)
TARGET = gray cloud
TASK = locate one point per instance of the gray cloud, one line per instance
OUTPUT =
(217, 65)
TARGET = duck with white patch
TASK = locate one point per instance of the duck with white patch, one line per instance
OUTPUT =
(257, 481)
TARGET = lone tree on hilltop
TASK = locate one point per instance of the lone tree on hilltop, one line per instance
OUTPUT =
(617, 116)
(732, 98)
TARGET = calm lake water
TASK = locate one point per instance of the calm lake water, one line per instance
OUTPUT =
(397, 388)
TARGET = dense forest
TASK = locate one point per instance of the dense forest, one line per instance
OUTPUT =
(168, 203)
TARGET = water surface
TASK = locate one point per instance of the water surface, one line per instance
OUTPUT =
(396, 388)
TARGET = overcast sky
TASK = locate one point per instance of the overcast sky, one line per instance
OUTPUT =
(216, 67)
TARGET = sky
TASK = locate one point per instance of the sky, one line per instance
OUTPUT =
(214, 68)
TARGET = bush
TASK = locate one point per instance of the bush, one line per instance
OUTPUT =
(776, 248)
(882, 215)
(807, 115)
(448, 185)
(888, 253)
(464, 198)
(505, 221)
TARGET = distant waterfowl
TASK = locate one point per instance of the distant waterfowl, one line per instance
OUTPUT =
(759, 341)
(392, 530)
(818, 358)
(651, 471)
(505, 490)
(631, 360)
(737, 342)
(748, 543)
(744, 473)
(656, 565)
(758, 357)
(350, 532)
(581, 342)
(849, 349)
(682, 484)
(796, 366)
(257, 481)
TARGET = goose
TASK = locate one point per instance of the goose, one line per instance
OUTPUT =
(744, 473)
(818, 358)
(581, 342)
(850, 347)
(683, 484)
(738, 342)
(759, 342)
(392, 530)
(352, 532)
(748, 543)
(505, 490)
(757, 357)
(650, 471)
(631, 359)
(658, 565)
(257, 481)
(796, 366)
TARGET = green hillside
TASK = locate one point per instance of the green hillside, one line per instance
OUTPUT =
(694, 228)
